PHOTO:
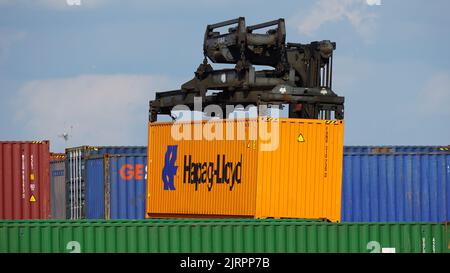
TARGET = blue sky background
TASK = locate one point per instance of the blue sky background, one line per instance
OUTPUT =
(94, 67)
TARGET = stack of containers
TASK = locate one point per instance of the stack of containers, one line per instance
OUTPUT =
(116, 186)
(24, 180)
(396, 184)
(76, 159)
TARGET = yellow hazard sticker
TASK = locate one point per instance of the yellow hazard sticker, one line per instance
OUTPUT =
(32, 198)
(252, 144)
(300, 138)
(333, 122)
(32, 177)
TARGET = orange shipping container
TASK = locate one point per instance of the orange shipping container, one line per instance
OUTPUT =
(258, 168)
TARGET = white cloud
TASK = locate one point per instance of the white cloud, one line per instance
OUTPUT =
(103, 109)
(356, 12)
(434, 98)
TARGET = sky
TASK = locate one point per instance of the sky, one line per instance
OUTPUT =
(91, 69)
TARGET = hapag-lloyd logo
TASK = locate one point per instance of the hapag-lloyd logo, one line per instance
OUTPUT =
(170, 170)
(219, 172)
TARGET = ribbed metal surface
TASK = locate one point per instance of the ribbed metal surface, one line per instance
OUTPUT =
(212, 236)
(395, 149)
(412, 186)
(194, 198)
(58, 189)
(116, 187)
(299, 176)
(75, 160)
(75, 187)
(24, 180)
(128, 177)
(302, 179)
(101, 150)
(95, 197)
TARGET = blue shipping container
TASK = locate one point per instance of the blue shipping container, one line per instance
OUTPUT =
(116, 187)
(95, 172)
(394, 149)
(75, 173)
(101, 150)
(403, 184)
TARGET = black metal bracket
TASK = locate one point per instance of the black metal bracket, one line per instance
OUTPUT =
(304, 102)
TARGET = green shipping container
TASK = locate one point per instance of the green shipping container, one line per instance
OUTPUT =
(208, 236)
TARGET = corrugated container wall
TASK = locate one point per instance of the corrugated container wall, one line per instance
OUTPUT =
(24, 180)
(95, 188)
(290, 168)
(222, 236)
(58, 189)
(75, 174)
(395, 149)
(116, 187)
(396, 184)
(127, 186)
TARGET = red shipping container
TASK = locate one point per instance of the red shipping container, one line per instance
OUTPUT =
(24, 180)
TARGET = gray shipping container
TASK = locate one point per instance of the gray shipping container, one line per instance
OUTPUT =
(58, 189)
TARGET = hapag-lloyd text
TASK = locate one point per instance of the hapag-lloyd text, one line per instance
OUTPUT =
(218, 172)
